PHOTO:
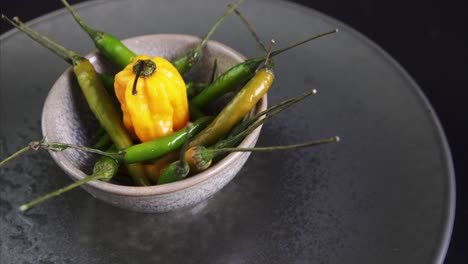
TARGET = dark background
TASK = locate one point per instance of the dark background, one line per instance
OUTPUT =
(428, 38)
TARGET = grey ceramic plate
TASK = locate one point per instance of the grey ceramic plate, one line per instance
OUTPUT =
(383, 195)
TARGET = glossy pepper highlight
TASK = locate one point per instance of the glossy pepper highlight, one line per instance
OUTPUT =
(153, 98)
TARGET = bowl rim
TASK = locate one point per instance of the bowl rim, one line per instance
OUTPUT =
(136, 191)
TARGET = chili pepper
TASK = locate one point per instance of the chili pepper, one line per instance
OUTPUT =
(95, 94)
(109, 45)
(153, 97)
(200, 158)
(104, 170)
(239, 74)
(156, 167)
(226, 82)
(156, 148)
(177, 170)
(107, 80)
(236, 109)
(140, 152)
(118, 53)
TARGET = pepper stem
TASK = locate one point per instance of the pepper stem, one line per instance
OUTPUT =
(14, 155)
(104, 169)
(200, 158)
(213, 28)
(94, 34)
(251, 30)
(276, 52)
(56, 146)
(64, 53)
(249, 125)
(268, 64)
(334, 139)
(255, 62)
(142, 68)
(178, 169)
(184, 63)
(39, 200)
(277, 108)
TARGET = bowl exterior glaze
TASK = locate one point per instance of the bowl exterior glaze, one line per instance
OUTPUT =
(67, 118)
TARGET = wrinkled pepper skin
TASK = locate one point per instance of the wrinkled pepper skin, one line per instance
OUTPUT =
(157, 105)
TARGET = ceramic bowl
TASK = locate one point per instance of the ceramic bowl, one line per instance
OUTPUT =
(67, 118)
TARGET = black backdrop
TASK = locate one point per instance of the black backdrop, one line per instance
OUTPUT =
(428, 38)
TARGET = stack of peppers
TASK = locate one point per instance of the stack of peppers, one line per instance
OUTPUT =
(156, 110)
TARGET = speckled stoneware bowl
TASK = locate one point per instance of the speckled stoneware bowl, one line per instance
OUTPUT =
(67, 118)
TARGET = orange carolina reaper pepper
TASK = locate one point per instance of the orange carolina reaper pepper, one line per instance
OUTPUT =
(153, 98)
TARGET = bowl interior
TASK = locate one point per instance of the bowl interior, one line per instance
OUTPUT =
(66, 116)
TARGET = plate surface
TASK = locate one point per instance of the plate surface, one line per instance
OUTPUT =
(385, 194)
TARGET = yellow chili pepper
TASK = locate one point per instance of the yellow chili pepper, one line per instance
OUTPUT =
(153, 98)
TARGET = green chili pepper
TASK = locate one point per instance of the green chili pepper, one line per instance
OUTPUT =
(109, 45)
(226, 82)
(176, 171)
(158, 147)
(119, 54)
(238, 75)
(200, 158)
(104, 169)
(99, 101)
(140, 152)
(236, 109)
